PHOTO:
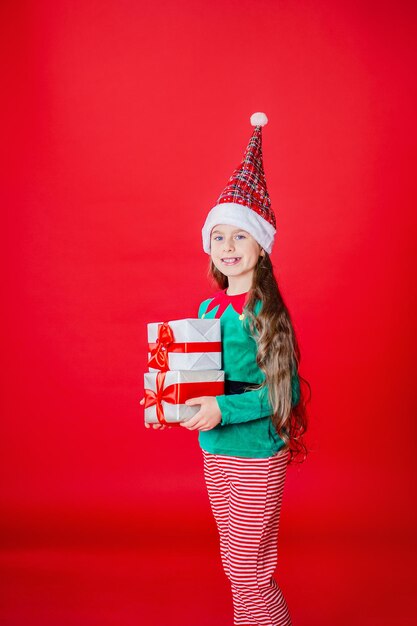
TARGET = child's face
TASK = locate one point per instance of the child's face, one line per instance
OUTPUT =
(233, 250)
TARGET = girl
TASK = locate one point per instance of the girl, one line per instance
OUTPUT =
(250, 434)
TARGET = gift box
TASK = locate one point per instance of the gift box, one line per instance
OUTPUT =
(166, 393)
(186, 344)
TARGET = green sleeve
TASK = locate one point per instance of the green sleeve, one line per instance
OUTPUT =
(251, 405)
(244, 407)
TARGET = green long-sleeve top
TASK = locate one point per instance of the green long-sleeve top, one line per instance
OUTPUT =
(246, 429)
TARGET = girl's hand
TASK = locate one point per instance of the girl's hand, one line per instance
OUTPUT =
(207, 417)
(157, 426)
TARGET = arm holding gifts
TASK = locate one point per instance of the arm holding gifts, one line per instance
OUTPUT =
(207, 417)
(236, 408)
(251, 405)
(244, 407)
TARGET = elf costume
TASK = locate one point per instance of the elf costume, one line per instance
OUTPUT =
(244, 464)
(245, 428)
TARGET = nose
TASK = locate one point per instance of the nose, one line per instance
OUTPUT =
(227, 244)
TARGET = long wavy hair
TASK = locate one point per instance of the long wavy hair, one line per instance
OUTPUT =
(278, 354)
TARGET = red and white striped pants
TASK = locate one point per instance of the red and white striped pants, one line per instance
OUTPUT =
(245, 496)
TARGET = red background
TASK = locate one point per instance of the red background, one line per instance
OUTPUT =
(122, 122)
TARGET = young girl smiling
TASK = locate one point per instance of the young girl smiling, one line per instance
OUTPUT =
(250, 434)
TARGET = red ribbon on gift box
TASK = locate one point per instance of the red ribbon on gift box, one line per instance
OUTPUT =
(165, 344)
(178, 394)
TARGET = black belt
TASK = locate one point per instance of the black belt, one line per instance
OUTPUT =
(236, 386)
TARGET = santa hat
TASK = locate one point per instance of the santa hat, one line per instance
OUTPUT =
(245, 201)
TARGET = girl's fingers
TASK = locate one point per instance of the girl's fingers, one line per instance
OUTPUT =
(192, 422)
(191, 425)
(193, 401)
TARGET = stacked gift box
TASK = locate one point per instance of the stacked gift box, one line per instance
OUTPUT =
(184, 362)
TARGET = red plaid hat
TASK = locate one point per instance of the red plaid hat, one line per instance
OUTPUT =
(245, 200)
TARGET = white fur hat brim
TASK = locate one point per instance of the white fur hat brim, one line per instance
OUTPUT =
(240, 216)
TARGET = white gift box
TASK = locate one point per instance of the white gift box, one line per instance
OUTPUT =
(180, 345)
(166, 393)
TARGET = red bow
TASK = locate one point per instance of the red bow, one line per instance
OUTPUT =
(152, 397)
(159, 354)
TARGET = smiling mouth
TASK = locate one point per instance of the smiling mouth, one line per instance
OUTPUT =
(231, 260)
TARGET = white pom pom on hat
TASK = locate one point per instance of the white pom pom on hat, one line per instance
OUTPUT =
(258, 119)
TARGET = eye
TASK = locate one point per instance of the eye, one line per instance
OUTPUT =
(216, 237)
(241, 236)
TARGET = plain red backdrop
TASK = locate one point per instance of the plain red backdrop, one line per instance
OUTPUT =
(122, 123)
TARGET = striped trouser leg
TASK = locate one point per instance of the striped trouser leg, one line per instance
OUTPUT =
(245, 496)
